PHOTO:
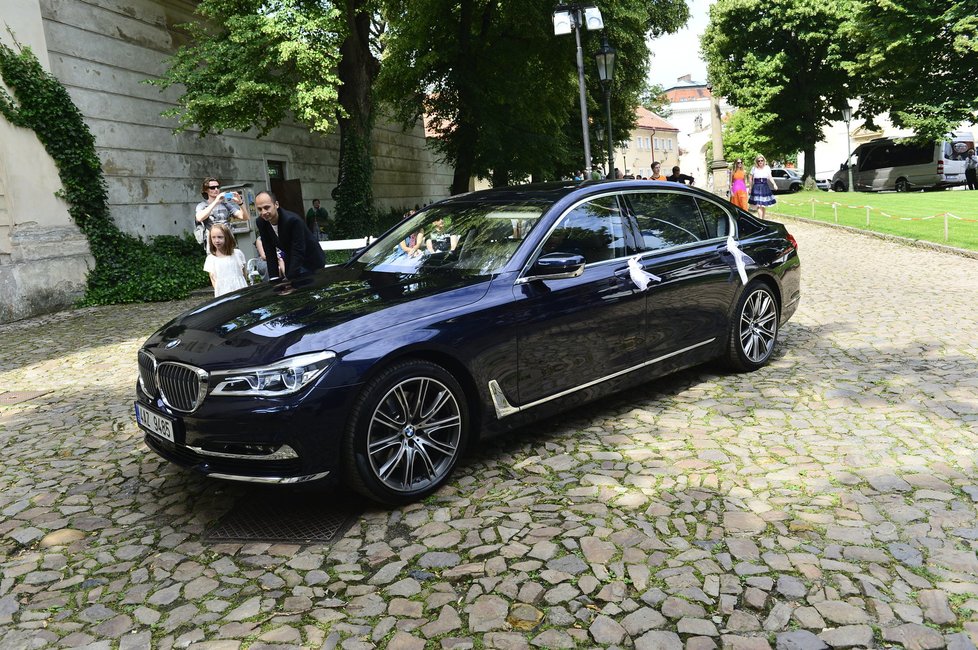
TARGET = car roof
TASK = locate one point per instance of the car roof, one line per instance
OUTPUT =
(555, 191)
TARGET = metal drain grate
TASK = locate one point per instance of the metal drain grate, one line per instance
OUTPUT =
(271, 520)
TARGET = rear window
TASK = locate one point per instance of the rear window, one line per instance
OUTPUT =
(957, 149)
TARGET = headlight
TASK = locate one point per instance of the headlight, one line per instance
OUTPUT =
(281, 378)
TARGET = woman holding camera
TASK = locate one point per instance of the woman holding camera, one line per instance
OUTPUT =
(218, 206)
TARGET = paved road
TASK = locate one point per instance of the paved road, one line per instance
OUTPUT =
(828, 500)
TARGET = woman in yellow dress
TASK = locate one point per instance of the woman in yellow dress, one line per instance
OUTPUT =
(738, 185)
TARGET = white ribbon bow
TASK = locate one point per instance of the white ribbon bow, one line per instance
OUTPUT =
(640, 276)
(741, 259)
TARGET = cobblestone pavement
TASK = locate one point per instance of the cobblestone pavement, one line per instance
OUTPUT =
(828, 500)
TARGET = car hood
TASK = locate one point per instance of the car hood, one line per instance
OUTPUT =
(259, 324)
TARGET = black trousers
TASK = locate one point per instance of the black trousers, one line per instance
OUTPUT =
(972, 176)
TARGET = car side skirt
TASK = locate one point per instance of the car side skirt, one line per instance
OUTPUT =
(504, 408)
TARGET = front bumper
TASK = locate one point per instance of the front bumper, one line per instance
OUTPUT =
(256, 440)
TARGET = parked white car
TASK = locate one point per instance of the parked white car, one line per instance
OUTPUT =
(789, 180)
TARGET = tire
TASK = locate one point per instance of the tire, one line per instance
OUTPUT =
(753, 329)
(839, 186)
(410, 425)
(794, 188)
(902, 185)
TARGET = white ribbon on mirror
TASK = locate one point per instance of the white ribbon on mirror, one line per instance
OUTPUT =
(640, 276)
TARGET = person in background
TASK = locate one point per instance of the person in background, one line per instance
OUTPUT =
(285, 231)
(657, 172)
(738, 185)
(761, 184)
(225, 262)
(218, 206)
(411, 246)
(679, 177)
(316, 218)
(971, 169)
(440, 240)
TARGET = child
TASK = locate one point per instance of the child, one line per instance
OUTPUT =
(225, 262)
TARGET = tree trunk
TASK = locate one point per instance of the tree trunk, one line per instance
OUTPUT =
(809, 153)
(357, 70)
(465, 135)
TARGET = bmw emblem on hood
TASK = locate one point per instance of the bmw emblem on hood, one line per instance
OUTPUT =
(172, 344)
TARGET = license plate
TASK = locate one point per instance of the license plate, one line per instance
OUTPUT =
(158, 425)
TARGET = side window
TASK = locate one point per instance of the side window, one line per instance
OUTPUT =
(594, 229)
(779, 173)
(667, 219)
(715, 217)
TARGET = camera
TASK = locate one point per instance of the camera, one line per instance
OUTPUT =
(229, 196)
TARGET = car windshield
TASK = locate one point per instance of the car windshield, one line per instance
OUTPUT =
(476, 238)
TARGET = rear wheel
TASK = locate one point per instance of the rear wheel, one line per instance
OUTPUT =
(902, 185)
(839, 186)
(754, 328)
(409, 428)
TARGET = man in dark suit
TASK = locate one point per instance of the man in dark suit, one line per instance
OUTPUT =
(286, 231)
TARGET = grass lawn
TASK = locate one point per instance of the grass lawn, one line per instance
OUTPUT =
(915, 215)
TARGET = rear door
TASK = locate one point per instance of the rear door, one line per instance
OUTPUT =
(683, 239)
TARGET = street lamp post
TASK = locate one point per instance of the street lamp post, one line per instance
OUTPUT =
(605, 58)
(846, 117)
(568, 18)
(599, 131)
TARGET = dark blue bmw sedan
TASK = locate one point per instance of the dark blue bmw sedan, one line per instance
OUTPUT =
(477, 315)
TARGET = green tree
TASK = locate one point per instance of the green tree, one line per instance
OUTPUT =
(653, 97)
(500, 90)
(919, 62)
(781, 61)
(256, 63)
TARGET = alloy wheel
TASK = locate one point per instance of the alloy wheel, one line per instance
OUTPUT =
(414, 434)
(758, 326)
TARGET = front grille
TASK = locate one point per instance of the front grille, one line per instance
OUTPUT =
(182, 387)
(147, 373)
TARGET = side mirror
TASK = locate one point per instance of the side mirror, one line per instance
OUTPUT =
(556, 266)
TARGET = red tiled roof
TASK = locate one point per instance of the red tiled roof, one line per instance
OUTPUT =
(646, 119)
(687, 93)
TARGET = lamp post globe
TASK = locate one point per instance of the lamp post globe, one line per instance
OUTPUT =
(605, 59)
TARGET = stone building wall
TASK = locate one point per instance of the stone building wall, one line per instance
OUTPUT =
(103, 51)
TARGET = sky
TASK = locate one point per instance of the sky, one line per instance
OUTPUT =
(675, 55)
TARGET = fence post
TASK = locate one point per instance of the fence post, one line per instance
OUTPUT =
(867, 216)
(945, 227)
(813, 208)
(835, 211)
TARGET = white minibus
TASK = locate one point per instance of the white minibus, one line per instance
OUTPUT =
(903, 164)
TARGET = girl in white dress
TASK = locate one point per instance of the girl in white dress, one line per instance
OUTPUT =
(225, 262)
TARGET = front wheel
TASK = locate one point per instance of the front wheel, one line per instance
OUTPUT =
(754, 329)
(409, 428)
(839, 186)
(794, 188)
